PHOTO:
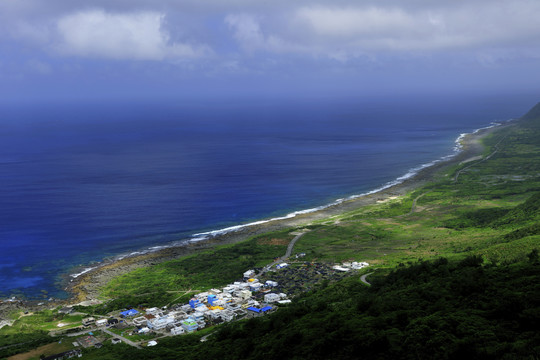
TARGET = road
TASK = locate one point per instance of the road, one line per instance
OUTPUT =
(287, 253)
(363, 278)
(127, 341)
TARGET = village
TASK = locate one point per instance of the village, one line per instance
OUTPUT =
(259, 292)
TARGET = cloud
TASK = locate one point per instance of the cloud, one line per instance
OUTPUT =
(138, 36)
(348, 30)
(247, 32)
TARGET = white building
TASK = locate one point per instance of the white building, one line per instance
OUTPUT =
(186, 308)
(159, 323)
(271, 283)
(101, 322)
(227, 315)
(271, 298)
(248, 274)
(340, 268)
(242, 294)
(138, 321)
(144, 330)
(152, 311)
(177, 330)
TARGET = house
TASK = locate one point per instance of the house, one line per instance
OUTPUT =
(101, 322)
(177, 330)
(359, 265)
(230, 289)
(152, 311)
(252, 302)
(281, 266)
(116, 341)
(152, 343)
(193, 303)
(139, 321)
(266, 309)
(227, 315)
(255, 287)
(271, 297)
(284, 302)
(186, 308)
(270, 283)
(242, 294)
(189, 325)
(214, 314)
(112, 321)
(159, 323)
(211, 298)
(88, 321)
(144, 330)
(197, 315)
(248, 274)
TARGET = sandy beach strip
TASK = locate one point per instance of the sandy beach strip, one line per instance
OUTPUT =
(86, 286)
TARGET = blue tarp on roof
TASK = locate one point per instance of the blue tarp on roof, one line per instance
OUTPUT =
(266, 308)
(129, 312)
(254, 309)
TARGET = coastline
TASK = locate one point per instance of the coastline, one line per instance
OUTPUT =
(84, 286)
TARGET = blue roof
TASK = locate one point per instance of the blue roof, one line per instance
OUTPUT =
(254, 309)
(129, 312)
(266, 308)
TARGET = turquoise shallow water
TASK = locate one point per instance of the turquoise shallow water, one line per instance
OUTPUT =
(80, 182)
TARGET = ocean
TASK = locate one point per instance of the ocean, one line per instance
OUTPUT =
(83, 181)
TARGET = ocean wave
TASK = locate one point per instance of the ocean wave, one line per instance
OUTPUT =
(76, 275)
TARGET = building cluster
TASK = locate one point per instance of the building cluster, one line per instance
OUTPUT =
(248, 297)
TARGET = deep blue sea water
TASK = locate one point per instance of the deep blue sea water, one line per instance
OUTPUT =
(83, 181)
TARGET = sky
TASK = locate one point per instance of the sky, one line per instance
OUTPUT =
(64, 49)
